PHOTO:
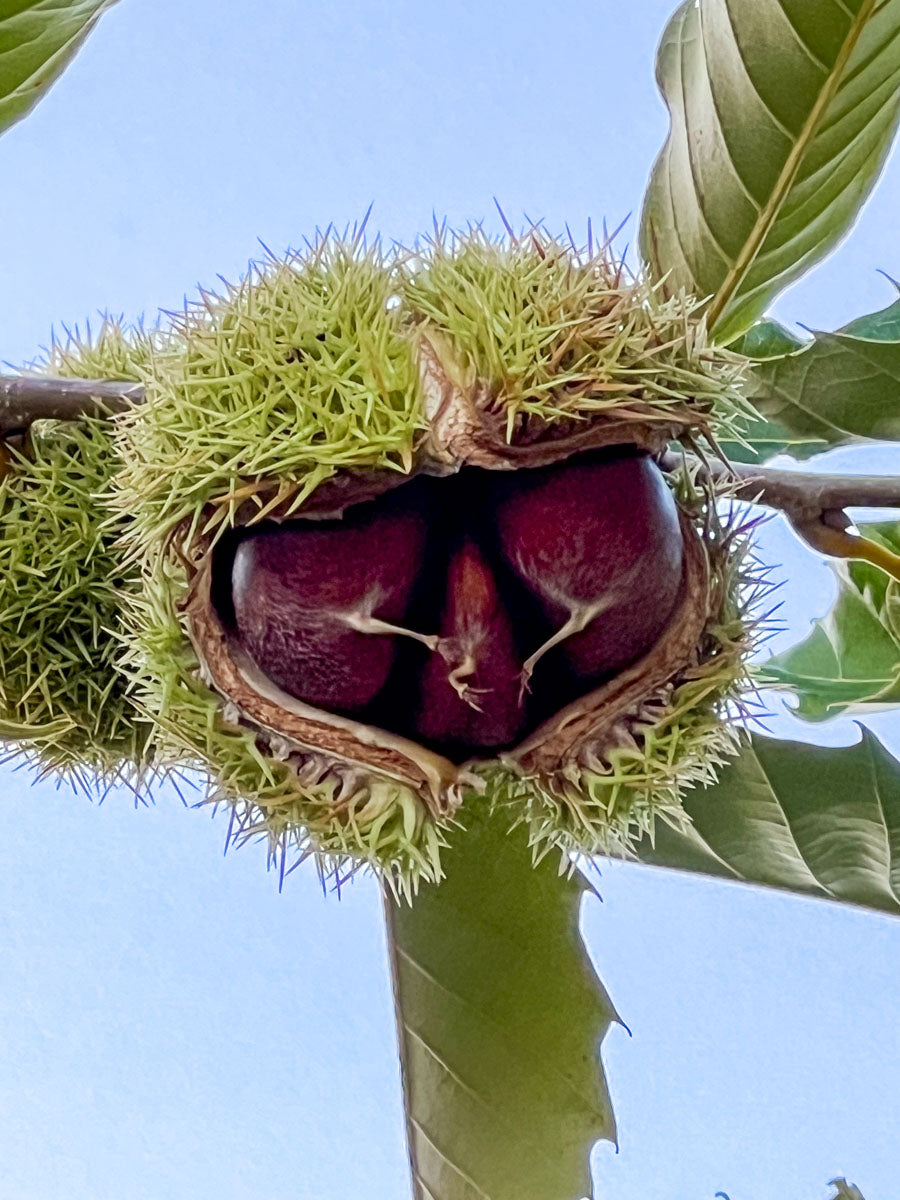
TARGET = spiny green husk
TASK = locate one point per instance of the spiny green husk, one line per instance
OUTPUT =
(63, 698)
(265, 391)
(114, 351)
(308, 367)
(557, 333)
(61, 580)
(677, 739)
(376, 822)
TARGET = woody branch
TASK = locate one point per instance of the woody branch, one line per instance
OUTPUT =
(814, 503)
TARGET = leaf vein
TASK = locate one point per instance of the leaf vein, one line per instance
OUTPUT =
(420, 1130)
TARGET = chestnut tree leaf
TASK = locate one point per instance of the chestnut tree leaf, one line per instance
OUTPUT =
(851, 659)
(782, 113)
(845, 1190)
(835, 389)
(767, 338)
(500, 1017)
(883, 325)
(819, 821)
(37, 40)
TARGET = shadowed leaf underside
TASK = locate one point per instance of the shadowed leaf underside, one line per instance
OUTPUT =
(836, 389)
(818, 821)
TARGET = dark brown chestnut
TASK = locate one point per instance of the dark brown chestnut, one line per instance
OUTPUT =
(599, 546)
(314, 602)
(524, 590)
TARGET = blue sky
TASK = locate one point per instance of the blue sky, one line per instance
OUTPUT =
(172, 1027)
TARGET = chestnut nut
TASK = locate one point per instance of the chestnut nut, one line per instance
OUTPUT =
(463, 611)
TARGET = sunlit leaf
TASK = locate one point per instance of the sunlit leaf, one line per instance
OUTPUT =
(500, 1018)
(782, 113)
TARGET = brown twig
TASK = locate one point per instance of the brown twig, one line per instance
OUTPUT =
(802, 496)
(813, 503)
(25, 399)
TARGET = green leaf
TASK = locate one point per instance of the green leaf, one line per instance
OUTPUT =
(500, 1017)
(815, 820)
(37, 40)
(782, 113)
(767, 339)
(883, 325)
(837, 388)
(845, 1190)
(882, 591)
(851, 660)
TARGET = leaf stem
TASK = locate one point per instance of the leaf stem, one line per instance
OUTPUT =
(839, 543)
